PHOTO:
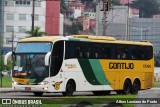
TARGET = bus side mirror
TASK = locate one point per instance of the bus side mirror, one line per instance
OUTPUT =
(6, 57)
(46, 61)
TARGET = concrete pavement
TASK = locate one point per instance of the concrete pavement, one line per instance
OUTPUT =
(153, 92)
(6, 89)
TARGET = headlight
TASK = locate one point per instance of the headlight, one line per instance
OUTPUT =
(43, 83)
(15, 83)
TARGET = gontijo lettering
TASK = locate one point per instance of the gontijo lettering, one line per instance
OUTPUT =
(115, 65)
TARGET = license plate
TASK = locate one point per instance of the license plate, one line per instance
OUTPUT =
(27, 88)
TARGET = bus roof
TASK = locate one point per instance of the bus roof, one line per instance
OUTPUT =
(89, 38)
(107, 39)
(42, 39)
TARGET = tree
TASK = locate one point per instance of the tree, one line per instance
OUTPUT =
(63, 6)
(86, 1)
(36, 32)
(116, 2)
(75, 29)
(5, 67)
(147, 8)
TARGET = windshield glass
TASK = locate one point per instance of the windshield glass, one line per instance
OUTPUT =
(30, 65)
(34, 47)
(29, 60)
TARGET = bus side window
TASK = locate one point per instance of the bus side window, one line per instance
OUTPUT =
(85, 52)
(80, 54)
(70, 51)
(97, 52)
(120, 51)
(77, 51)
(123, 55)
(110, 52)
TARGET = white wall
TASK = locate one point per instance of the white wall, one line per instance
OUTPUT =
(77, 13)
(16, 10)
(157, 73)
(61, 24)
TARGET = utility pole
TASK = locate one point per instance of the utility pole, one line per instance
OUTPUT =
(104, 17)
(128, 30)
(106, 8)
(1, 36)
(33, 12)
(12, 40)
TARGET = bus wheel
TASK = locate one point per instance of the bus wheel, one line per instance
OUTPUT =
(38, 93)
(70, 88)
(99, 93)
(135, 87)
(127, 87)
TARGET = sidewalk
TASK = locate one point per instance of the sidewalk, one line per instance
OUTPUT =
(6, 89)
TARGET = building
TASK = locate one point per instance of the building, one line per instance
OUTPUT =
(88, 20)
(125, 1)
(90, 7)
(116, 21)
(18, 19)
(91, 15)
(126, 25)
(75, 9)
(84, 20)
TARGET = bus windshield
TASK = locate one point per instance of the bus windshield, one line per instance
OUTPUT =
(29, 60)
(34, 47)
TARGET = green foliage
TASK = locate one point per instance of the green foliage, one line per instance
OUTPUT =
(36, 33)
(76, 28)
(156, 84)
(5, 67)
(6, 81)
(86, 1)
(147, 8)
(63, 6)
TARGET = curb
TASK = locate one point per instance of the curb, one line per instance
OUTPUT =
(3, 90)
(6, 91)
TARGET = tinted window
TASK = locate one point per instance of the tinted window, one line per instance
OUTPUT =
(141, 52)
(85, 50)
(57, 57)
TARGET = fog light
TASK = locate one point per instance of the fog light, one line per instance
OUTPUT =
(46, 88)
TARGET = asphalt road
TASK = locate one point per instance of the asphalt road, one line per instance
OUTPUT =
(150, 94)
(45, 95)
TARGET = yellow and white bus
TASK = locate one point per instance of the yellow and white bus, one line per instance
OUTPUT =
(81, 63)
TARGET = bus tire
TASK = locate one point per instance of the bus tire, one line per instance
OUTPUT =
(38, 93)
(136, 86)
(100, 93)
(127, 87)
(70, 88)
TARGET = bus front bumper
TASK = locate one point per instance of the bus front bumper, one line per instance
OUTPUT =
(30, 88)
